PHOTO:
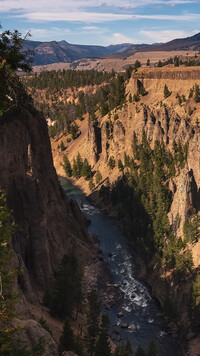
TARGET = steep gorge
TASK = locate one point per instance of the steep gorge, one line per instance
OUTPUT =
(163, 120)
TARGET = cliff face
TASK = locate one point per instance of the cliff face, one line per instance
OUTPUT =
(47, 225)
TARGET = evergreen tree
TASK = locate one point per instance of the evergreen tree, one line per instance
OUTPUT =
(111, 162)
(130, 99)
(79, 165)
(12, 54)
(94, 308)
(91, 184)
(67, 289)
(148, 62)
(104, 108)
(196, 93)
(167, 93)
(86, 171)
(120, 166)
(67, 166)
(74, 130)
(98, 177)
(68, 341)
(62, 146)
(103, 345)
(135, 148)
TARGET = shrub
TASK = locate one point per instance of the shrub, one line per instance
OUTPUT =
(111, 162)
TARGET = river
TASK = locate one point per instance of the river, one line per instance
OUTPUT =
(139, 307)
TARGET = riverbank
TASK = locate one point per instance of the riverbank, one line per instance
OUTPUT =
(140, 311)
(151, 275)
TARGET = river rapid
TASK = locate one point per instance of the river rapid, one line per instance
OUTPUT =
(140, 309)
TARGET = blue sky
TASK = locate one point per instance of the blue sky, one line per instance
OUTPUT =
(102, 22)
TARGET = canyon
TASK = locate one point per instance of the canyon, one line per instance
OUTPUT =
(164, 120)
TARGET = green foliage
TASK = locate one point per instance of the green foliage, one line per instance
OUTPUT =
(111, 162)
(94, 308)
(98, 177)
(170, 309)
(137, 65)
(103, 346)
(104, 109)
(195, 302)
(67, 166)
(179, 98)
(68, 341)
(130, 99)
(148, 62)
(74, 130)
(176, 61)
(77, 166)
(106, 97)
(91, 184)
(142, 90)
(136, 97)
(12, 54)
(190, 111)
(86, 171)
(120, 166)
(167, 93)
(129, 71)
(191, 228)
(67, 290)
(62, 146)
(124, 350)
(142, 201)
(45, 326)
(191, 93)
(68, 79)
(135, 147)
(196, 93)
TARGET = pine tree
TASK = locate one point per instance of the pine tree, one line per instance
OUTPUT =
(120, 166)
(62, 146)
(103, 345)
(74, 130)
(98, 177)
(94, 308)
(79, 164)
(68, 341)
(167, 93)
(111, 162)
(135, 147)
(86, 171)
(67, 166)
(91, 184)
(196, 93)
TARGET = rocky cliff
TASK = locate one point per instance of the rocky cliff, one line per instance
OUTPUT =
(47, 224)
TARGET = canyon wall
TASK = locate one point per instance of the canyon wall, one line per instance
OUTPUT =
(47, 224)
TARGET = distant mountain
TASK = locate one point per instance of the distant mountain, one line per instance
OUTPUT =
(62, 51)
(188, 44)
